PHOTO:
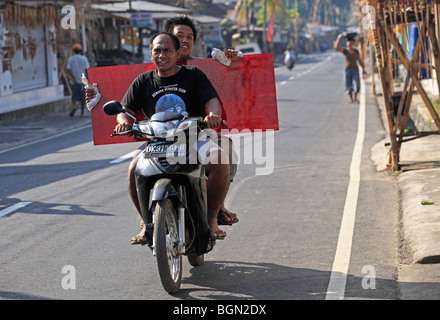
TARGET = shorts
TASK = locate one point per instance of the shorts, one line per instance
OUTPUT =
(78, 92)
(223, 143)
(205, 148)
(352, 81)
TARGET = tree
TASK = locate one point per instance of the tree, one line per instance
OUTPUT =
(327, 12)
(282, 17)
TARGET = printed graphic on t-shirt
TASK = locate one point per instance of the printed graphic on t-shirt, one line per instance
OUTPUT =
(171, 103)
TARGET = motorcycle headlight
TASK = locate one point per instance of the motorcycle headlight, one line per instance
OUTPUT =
(164, 129)
(145, 127)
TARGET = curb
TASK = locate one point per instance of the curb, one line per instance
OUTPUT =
(420, 223)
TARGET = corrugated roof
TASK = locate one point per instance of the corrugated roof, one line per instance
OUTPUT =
(156, 15)
(140, 6)
(202, 18)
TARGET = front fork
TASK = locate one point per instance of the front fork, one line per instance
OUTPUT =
(181, 240)
(181, 220)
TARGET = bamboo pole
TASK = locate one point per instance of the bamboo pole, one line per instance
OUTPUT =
(378, 36)
(435, 51)
(372, 67)
(410, 68)
(401, 103)
(405, 116)
(387, 53)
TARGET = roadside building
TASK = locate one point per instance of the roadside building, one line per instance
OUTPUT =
(119, 33)
(36, 39)
(28, 57)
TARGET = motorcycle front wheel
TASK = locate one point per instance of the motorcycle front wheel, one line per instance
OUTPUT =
(166, 235)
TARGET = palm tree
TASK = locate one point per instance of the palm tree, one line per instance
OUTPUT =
(326, 12)
(245, 9)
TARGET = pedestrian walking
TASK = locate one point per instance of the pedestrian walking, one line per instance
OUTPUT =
(76, 66)
(351, 69)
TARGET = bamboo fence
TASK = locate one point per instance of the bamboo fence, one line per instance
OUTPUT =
(389, 26)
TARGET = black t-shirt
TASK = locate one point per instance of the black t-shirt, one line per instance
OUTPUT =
(186, 92)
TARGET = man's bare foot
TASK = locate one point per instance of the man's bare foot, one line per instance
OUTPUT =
(218, 234)
(145, 236)
(226, 217)
(140, 238)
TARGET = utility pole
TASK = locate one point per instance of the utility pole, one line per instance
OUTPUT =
(132, 30)
(296, 29)
(264, 26)
(83, 31)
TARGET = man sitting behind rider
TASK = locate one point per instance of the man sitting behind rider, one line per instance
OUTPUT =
(148, 89)
(184, 28)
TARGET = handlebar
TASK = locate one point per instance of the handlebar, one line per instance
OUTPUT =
(123, 133)
(203, 124)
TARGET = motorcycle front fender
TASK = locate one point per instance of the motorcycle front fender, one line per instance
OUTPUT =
(168, 189)
(163, 189)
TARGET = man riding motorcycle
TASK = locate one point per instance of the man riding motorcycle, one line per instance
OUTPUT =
(184, 28)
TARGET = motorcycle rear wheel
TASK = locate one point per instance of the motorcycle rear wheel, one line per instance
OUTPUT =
(195, 260)
(169, 258)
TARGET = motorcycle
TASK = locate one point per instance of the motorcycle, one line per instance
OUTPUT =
(171, 187)
(289, 59)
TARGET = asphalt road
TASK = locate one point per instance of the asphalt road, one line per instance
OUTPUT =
(70, 238)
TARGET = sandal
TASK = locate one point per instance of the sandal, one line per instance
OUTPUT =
(139, 239)
(222, 218)
(215, 235)
(72, 112)
(147, 237)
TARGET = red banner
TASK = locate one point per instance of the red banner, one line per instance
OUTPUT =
(270, 27)
(246, 89)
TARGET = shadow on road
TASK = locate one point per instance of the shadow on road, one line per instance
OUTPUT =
(232, 280)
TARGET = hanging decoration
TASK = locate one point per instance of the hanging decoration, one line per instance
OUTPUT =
(31, 17)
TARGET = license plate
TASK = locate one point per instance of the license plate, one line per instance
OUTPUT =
(166, 150)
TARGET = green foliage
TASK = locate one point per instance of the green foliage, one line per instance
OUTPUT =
(282, 17)
(339, 9)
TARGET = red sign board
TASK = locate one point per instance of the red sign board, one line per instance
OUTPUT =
(246, 89)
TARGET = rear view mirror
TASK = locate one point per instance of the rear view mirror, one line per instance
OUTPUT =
(112, 108)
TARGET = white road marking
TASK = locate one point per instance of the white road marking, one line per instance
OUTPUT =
(338, 277)
(125, 157)
(13, 208)
(44, 139)
(307, 71)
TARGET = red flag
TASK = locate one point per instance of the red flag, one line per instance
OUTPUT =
(270, 28)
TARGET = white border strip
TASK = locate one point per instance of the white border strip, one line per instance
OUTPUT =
(13, 208)
(338, 278)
